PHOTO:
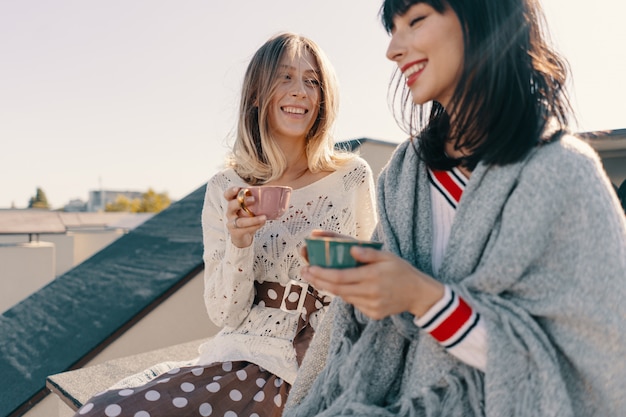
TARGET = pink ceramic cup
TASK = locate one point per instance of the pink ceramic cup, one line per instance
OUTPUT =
(269, 200)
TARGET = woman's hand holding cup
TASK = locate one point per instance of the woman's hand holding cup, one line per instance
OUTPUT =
(381, 284)
(241, 225)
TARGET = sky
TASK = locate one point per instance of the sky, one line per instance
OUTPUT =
(139, 94)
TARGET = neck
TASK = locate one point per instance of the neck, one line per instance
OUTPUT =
(297, 166)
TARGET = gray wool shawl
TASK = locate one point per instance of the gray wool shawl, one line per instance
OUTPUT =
(538, 248)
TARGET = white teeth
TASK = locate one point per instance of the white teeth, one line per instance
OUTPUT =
(414, 68)
(296, 110)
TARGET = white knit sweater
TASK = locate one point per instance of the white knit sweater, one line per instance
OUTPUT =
(342, 202)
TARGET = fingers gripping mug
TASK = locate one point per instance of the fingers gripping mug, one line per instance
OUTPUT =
(269, 200)
(334, 252)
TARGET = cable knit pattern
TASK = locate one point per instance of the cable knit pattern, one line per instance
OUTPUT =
(342, 202)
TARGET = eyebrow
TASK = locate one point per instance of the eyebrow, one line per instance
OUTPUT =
(291, 67)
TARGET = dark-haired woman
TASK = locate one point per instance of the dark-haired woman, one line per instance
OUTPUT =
(500, 288)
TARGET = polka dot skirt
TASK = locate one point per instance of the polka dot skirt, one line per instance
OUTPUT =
(229, 389)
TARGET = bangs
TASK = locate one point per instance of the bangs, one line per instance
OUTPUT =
(297, 48)
(392, 8)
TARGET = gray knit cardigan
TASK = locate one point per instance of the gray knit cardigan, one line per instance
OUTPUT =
(538, 248)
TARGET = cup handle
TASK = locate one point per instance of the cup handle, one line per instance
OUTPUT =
(241, 199)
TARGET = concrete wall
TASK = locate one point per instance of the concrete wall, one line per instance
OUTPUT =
(89, 242)
(25, 266)
(180, 318)
(24, 269)
(64, 249)
(63, 244)
(376, 154)
(71, 248)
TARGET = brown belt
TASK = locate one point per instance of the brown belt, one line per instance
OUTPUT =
(297, 297)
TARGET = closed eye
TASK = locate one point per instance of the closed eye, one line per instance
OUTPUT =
(415, 21)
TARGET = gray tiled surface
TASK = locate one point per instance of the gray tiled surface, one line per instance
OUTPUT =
(76, 387)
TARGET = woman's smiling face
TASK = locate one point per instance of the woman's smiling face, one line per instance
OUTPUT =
(295, 103)
(428, 48)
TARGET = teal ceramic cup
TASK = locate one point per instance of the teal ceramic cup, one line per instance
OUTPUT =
(333, 252)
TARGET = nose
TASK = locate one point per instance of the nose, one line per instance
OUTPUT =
(298, 89)
(396, 49)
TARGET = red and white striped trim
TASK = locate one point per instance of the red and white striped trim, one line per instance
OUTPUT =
(450, 320)
(449, 183)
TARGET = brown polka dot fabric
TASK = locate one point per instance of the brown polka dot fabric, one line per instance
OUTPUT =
(229, 389)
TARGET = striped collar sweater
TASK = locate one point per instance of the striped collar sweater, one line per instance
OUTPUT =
(538, 249)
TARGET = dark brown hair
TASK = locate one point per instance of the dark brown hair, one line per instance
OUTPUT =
(512, 85)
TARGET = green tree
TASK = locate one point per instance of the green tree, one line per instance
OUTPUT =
(121, 203)
(150, 202)
(153, 202)
(39, 200)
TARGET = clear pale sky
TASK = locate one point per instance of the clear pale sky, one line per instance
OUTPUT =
(138, 94)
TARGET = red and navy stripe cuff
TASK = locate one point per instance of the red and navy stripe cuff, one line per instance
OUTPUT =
(450, 320)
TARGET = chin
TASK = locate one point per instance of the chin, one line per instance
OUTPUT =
(419, 101)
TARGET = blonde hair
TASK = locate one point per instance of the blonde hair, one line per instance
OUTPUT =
(255, 157)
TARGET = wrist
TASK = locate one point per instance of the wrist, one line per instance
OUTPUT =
(429, 292)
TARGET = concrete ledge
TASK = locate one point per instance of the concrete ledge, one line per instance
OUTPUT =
(77, 386)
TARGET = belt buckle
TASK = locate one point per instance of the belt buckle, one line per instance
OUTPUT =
(303, 293)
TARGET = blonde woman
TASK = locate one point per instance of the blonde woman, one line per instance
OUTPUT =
(288, 106)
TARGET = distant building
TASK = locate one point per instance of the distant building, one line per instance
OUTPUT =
(611, 146)
(74, 206)
(375, 152)
(98, 199)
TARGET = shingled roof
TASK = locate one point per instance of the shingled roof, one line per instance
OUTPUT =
(66, 323)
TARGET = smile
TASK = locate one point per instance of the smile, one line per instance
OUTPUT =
(294, 110)
(412, 70)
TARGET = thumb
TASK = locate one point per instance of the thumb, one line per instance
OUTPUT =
(367, 255)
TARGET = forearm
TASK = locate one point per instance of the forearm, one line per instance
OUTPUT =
(229, 285)
(228, 270)
(458, 328)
